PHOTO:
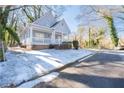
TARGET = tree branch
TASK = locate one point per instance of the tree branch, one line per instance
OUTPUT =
(16, 8)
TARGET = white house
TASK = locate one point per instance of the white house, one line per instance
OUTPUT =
(45, 31)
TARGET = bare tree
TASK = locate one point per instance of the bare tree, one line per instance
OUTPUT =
(6, 28)
(102, 13)
(36, 11)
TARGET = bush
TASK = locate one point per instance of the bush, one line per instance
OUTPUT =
(76, 44)
(64, 45)
(51, 46)
(67, 45)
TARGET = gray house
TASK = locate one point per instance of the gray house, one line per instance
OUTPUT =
(45, 31)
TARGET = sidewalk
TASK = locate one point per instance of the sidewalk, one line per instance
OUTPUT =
(22, 66)
(106, 50)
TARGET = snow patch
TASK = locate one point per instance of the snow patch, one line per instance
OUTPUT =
(46, 78)
(24, 65)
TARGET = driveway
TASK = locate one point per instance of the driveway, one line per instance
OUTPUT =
(103, 70)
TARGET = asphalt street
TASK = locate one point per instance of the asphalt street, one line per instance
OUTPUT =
(103, 70)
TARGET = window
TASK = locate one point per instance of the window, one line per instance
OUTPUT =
(62, 24)
(38, 34)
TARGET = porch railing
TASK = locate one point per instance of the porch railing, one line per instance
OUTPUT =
(45, 41)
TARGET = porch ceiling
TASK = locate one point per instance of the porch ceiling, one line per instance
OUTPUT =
(45, 29)
(41, 28)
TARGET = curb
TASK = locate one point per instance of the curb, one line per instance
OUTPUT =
(58, 69)
(101, 50)
(43, 79)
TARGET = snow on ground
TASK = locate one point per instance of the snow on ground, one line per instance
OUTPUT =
(45, 78)
(22, 66)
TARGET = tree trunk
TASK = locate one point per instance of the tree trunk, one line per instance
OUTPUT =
(113, 32)
(1, 51)
(89, 43)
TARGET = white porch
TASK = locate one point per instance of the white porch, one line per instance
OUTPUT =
(45, 41)
(38, 35)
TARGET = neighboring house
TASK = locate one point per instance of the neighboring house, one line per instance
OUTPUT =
(45, 31)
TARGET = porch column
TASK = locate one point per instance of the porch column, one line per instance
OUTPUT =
(53, 37)
(31, 35)
(68, 37)
(62, 36)
(29, 40)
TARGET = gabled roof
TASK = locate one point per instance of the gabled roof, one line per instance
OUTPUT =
(61, 26)
(49, 21)
(46, 20)
(55, 24)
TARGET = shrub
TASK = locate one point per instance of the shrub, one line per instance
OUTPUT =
(68, 45)
(64, 45)
(76, 44)
(51, 46)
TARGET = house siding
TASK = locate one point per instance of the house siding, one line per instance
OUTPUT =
(44, 32)
(41, 34)
(62, 27)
